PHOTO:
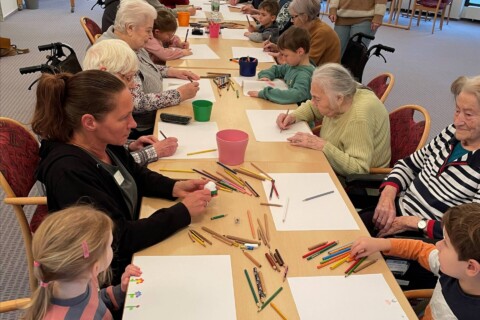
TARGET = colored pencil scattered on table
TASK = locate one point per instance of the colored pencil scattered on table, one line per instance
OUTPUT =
(251, 287)
(252, 229)
(249, 256)
(277, 311)
(201, 151)
(317, 245)
(177, 170)
(270, 299)
(318, 196)
(286, 210)
(271, 204)
(365, 265)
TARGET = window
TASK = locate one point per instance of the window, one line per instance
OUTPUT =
(472, 3)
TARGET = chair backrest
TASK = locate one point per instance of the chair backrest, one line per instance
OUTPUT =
(18, 161)
(407, 135)
(382, 85)
(91, 28)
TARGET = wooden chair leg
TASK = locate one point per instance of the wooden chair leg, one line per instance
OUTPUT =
(72, 6)
(442, 18)
(411, 17)
(434, 21)
(449, 10)
(20, 5)
(419, 16)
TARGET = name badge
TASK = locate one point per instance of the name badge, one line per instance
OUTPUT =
(119, 177)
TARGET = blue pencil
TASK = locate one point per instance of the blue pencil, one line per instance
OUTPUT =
(336, 254)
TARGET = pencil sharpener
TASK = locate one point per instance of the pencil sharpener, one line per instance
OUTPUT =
(197, 31)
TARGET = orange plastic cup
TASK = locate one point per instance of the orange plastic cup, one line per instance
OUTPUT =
(183, 19)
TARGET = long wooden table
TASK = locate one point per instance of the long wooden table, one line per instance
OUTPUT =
(229, 112)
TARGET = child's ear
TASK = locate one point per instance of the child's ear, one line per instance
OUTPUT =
(156, 33)
(473, 268)
(300, 51)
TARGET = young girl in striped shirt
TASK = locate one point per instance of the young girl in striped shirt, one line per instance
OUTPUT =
(72, 251)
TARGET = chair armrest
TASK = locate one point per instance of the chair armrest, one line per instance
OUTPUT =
(12, 305)
(26, 201)
(372, 181)
(380, 170)
(420, 293)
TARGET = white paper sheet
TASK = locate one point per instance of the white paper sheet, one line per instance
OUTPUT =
(324, 213)
(234, 34)
(205, 85)
(181, 287)
(359, 297)
(201, 52)
(182, 31)
(193, 137)
(257, 53)
(265, 129)
(257, 85)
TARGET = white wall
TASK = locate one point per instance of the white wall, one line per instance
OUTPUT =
(7, 7)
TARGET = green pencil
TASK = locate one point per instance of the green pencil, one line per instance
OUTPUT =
(251, 287)
(219, 216)
(355, 267)
(269, 299)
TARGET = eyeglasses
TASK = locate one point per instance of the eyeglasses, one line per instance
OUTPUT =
(128, 78)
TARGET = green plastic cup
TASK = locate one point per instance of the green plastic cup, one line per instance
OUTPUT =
(202, 109)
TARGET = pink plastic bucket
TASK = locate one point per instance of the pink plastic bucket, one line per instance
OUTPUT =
(232, 145)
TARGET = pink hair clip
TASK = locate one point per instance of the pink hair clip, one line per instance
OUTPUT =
(43, 284)
(86, 253)
(36, 264)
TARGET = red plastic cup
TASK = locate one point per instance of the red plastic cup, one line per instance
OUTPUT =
(214, 29)
(232, 145)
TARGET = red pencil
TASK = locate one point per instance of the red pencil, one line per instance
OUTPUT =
(354, 263)
(275, 189)
(317, 249)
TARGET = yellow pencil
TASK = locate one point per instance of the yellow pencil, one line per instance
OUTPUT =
(202, 151)
(177, 170)
(339, 263)
(278, 311)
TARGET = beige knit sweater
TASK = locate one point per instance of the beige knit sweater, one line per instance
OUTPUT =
(356, 140)
(351, 12)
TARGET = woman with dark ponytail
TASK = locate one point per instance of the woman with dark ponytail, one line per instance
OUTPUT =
(84, 121)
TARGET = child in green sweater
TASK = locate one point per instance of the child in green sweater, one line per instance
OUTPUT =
(297, 71)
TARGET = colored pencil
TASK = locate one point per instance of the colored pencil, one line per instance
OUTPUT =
(279, 257)
(266, 174)
(252, 229)
(277, 311)
(251, 189)
(271, 192)
(251, 287)
(222, 239)
(200, 236)
(243, 240)
(318, 195)
(270, 299)
(339, 263)
(219, 216)
(226, 168)
(262, 280)
(275, 189)
(250, 174)
(271, 262)
(316, 254)
(200, 241)
(326, 263)
(186, 35)
(191, 237)
(285, 273)
(348, 245)
(201, 151)
(177, 170)
(317, 245)
(317, 249)
(163, 135)
(368, 264)
(255, 262)
(261, 294)
(267, 232)
(271, 204)
(336, 254)
(288, 110)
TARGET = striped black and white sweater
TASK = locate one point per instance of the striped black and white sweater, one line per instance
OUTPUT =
(428, 184)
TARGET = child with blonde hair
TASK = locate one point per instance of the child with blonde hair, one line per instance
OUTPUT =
(71, 249)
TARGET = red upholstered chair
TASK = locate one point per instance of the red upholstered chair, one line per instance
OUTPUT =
(91, 28)
(382, 85)
(18, 161)
(431, 6)
(406, 135)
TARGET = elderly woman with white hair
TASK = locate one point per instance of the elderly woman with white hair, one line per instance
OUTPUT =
(134, 24)
(116, 57)
(324, 42)
(355, 133)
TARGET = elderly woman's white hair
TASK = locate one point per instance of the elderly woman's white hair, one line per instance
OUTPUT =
(335, 80)
(310, 8)
(468, 85)
(133, 12)
(111, 55)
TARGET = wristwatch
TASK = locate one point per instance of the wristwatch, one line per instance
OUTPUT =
(422, 225)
